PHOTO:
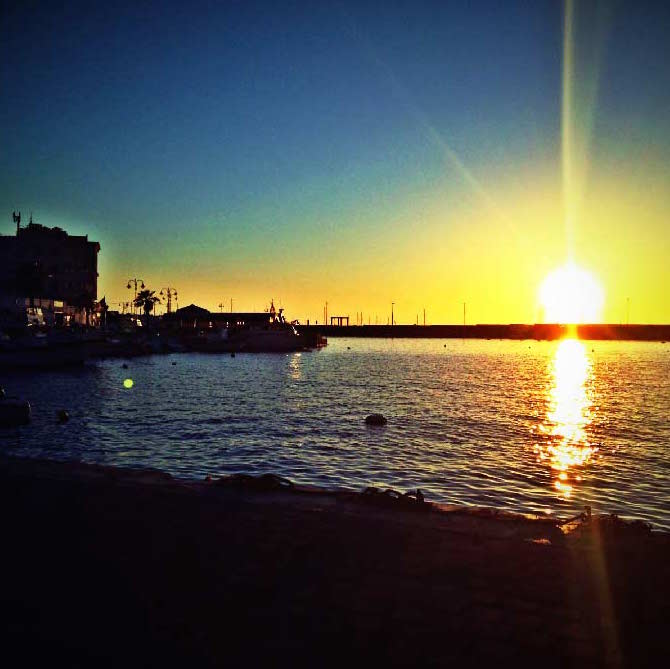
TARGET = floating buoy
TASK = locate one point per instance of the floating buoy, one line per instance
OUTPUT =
(174, 363)
(375, 419)
(232, 355)
(63, 416)
(124, 366)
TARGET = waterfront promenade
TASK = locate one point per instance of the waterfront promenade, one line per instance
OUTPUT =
(133, 568)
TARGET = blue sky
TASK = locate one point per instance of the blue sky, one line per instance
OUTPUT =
(207, 142)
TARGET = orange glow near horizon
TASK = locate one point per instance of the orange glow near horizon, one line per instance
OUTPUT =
(454, 255)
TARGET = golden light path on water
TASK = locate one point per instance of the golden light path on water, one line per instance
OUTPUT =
(565, 447)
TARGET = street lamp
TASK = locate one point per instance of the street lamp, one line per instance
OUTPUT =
(169, 292)
(134, 283)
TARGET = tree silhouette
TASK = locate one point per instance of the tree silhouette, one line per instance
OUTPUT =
(145, 300)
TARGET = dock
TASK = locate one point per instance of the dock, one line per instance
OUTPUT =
(540, 332)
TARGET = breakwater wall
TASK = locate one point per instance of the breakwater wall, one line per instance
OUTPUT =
(513, 331)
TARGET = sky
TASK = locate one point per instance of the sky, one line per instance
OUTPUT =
(429, 154)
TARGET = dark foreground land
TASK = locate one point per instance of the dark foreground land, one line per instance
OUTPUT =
(102, 566)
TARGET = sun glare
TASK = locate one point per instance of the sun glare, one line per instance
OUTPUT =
(571, 295)
(570, 411)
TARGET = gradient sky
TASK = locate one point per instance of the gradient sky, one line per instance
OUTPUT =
(359, 154)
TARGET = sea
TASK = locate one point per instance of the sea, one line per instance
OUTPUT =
(536, 427)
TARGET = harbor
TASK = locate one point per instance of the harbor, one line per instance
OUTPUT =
(334, 334)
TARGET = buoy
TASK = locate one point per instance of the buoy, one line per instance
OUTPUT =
(124, 366)
(232, 355)
(63, 416)
(375, 419)
(174, 363)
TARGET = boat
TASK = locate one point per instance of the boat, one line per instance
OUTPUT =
(270, 335)
(13, 411)
(42, 351)
(269, 339)
(254, 332)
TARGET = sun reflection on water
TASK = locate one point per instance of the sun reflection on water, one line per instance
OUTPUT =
(566, 447)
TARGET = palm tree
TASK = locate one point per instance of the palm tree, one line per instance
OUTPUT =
(146, 299)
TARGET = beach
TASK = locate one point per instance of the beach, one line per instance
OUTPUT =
(107, 565)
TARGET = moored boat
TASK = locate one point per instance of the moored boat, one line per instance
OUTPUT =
(13, 411)
(257, 332)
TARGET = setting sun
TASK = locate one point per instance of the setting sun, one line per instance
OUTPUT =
(571, 295)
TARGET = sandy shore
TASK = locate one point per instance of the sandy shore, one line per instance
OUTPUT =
(123, 567)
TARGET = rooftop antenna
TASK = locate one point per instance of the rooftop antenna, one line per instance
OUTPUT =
(17, 220)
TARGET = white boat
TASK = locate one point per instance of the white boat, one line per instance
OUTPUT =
(271, 339)
(257, 332)
(273, 335)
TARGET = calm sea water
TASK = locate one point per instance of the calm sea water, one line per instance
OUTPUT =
(543, 427)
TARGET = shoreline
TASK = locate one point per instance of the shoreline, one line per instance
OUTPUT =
(372, 498)
(255, 570)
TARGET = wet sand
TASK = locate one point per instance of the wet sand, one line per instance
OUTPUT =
(105, 566)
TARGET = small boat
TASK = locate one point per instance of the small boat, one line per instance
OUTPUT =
(13, 411)
(256, 332)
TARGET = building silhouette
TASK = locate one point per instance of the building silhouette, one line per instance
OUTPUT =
(46, 270)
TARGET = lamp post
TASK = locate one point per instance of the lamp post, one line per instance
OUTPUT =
(169, 293)
(392, 303)
(134, 281)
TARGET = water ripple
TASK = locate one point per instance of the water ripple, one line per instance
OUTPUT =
(475, 422)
